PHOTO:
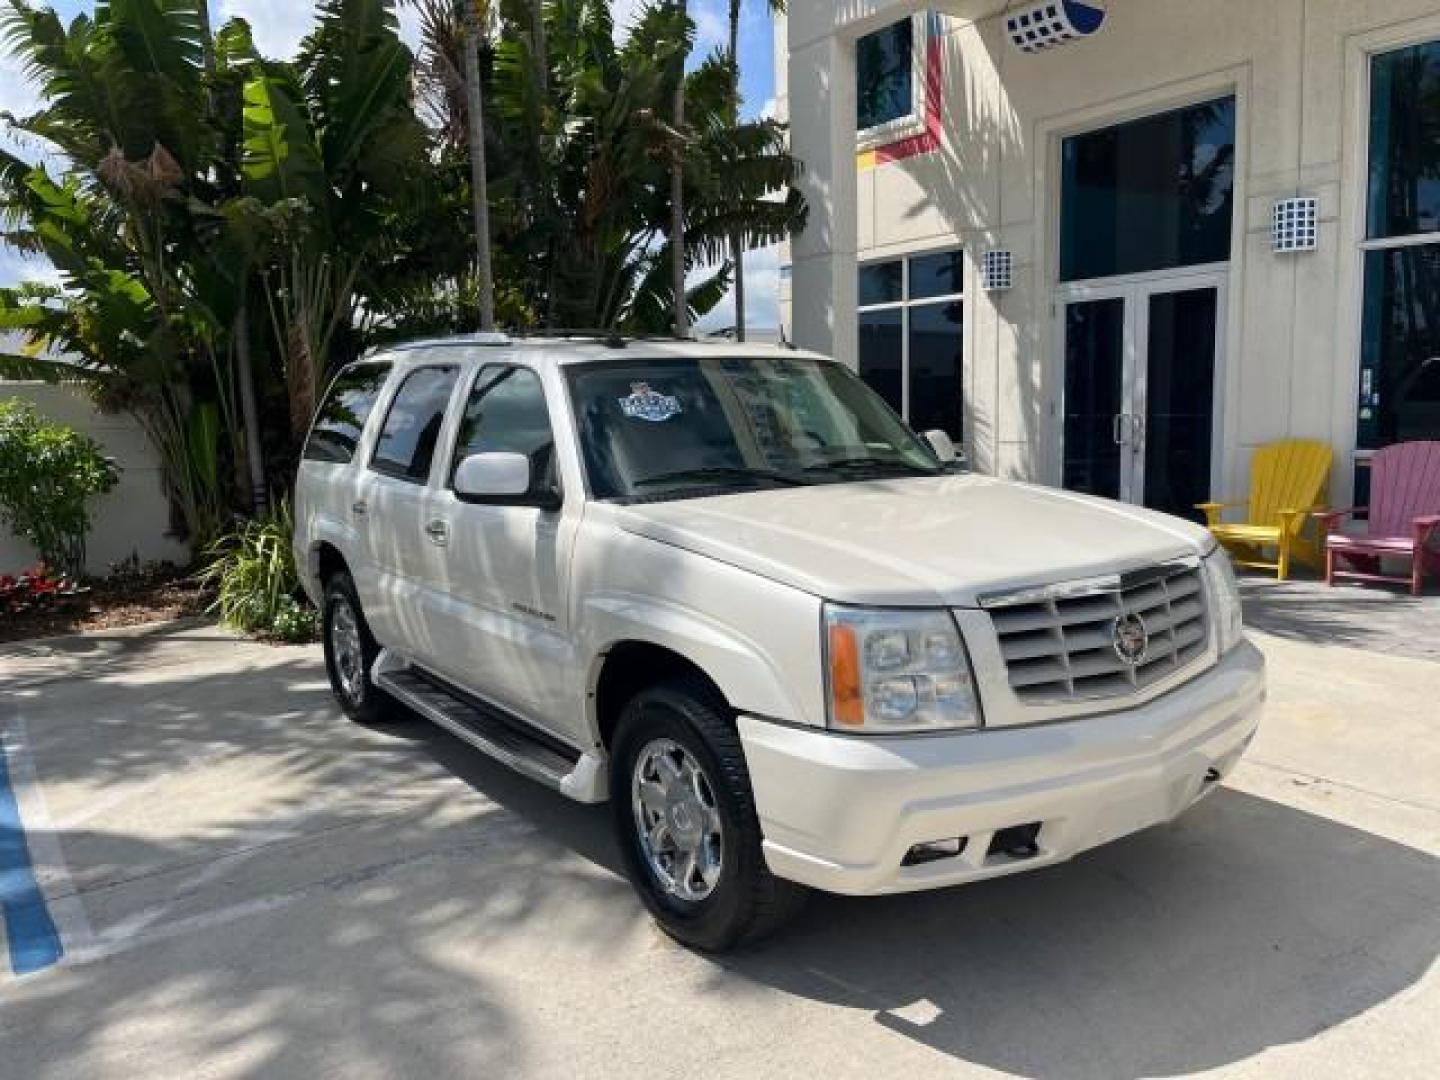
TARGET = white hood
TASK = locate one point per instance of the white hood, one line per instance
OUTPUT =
(918, 541)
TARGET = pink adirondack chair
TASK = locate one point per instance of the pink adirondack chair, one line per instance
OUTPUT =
(1403, 519)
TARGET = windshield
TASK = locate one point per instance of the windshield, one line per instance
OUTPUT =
(681, 428)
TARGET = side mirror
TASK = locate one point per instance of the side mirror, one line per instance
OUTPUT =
(493, 477)
(944, 447)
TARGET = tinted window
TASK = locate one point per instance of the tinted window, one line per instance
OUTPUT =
(506, 414)
(1149, 195)
(1400, 362)
(674, 428)
(412, 427)
(936, 344)
(884, 75)
(342, 415)
(1405, 141)
(937, 275)
(881, 349)
(881, 283)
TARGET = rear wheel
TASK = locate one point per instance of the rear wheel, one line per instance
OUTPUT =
(350, 652)
(686, 822)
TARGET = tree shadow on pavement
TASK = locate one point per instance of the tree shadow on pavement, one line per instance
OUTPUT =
(330, 899)
(1244, 925)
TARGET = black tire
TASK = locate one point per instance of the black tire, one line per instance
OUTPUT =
(747, 901)
(361, 699)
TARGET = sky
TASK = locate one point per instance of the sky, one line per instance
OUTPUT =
(278, 25)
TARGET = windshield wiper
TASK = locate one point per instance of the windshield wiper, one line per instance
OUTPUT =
(869, 464)
(717, 472)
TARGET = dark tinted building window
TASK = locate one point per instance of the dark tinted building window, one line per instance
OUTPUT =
(1405, 142)
(885, 75)
(1150, 194)
(882, 353)
(412, 427)
(1400, 358)
(936, 344)
(937, 275)
(912, 321)
(342, 415)
(882, 283)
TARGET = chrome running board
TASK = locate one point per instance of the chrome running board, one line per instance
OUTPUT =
(507, 739)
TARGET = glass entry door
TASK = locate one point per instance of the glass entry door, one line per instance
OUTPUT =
(1140, 361)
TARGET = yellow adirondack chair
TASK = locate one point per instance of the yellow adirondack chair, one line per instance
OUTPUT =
(1288, 480)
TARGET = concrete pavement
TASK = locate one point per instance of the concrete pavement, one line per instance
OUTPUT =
(249, 885)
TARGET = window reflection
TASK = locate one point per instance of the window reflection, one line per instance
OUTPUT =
(885, 75)
(1151, 194)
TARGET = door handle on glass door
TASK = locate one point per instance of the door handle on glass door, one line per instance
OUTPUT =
(1137, 432)
(1117, 428)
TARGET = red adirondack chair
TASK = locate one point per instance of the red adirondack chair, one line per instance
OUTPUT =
(1403, 519)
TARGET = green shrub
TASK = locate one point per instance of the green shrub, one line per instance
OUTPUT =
(257, 589)
(48, 474)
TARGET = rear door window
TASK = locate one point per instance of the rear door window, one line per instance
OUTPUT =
(342, 415)
(412, 427)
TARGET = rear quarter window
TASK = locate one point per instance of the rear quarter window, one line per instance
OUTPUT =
(342, 415)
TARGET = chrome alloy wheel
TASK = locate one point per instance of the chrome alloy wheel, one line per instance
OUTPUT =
(677, 820)
(347, 650)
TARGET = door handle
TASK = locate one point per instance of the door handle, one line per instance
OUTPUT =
(1117, 428)
(359, 508)
(1137, 432)
(438, 531)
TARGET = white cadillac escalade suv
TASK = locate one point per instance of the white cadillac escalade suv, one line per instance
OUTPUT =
(728, 590)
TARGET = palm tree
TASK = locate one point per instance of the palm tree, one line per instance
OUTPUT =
(479, 194)
(677, 180)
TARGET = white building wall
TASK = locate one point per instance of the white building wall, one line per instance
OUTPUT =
(1299, 71)
(131, 519)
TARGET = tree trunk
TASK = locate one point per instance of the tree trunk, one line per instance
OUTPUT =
(737, 250)
(249, 415)
(677, 196)
(541, 47)
(479, 196)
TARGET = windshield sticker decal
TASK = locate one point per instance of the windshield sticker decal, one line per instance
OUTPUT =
(647, 404)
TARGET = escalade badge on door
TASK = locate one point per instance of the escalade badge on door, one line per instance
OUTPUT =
(1131, 639)
(647, 404)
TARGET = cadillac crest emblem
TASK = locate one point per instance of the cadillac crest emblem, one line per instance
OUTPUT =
(1131, 639)
(647, 404)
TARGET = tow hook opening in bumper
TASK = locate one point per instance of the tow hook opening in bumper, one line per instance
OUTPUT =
(934, 851)
(1016, 842)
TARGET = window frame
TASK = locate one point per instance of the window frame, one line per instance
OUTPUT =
(913, 123)
(548, 500)
(401, 376)
(906, 304)
(1370, 50)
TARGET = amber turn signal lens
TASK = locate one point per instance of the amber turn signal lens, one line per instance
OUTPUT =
(847, 705)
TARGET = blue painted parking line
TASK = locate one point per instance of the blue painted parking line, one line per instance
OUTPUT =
(30, 931)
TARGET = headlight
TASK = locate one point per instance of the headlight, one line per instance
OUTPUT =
(1225, 600)
(892, 672)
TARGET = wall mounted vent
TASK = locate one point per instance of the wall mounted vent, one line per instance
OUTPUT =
(1296, 224)
(998, 270)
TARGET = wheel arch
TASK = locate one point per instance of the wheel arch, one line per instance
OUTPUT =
(628, 666)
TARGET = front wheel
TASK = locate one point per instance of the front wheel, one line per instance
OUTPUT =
(686, 821)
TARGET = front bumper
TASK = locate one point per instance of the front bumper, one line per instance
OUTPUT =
(840, 812)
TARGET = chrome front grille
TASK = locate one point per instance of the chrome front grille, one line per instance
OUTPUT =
(1059, 643)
